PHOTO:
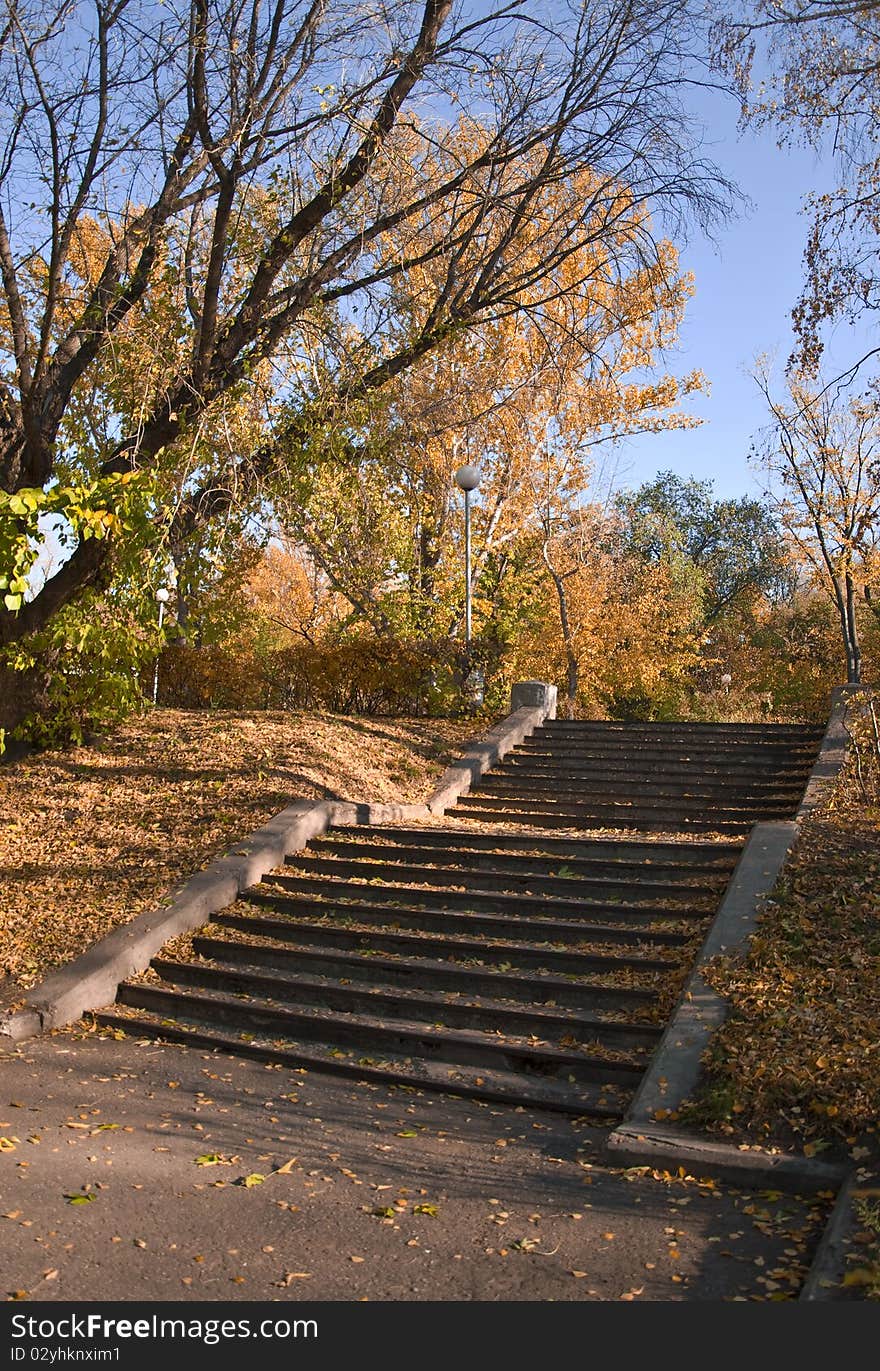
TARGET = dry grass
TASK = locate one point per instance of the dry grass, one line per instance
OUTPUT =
(95, 835)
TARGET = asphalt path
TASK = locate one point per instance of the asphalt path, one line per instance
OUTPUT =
(141, 1172)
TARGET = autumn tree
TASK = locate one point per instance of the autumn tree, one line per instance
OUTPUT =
(819, 65)
(633, 631)
(528, 397)
(164, 124)
(821, 454)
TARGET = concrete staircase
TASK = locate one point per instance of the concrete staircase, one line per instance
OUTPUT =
(688, 778)
(494, 957)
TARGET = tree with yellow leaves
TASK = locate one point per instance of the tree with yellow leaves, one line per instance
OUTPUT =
(165, 125)
(529, 397)
(822, 457)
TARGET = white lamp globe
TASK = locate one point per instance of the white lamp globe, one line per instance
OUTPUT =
(467, 477)
(163, 595)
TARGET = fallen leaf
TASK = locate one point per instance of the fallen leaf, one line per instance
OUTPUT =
(861, 1275)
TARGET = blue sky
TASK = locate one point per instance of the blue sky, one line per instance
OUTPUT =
(746, 285)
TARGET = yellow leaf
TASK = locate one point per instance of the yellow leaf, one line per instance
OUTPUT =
(862, 1275)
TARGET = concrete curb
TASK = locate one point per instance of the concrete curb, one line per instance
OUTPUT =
(825, 1276)
(531, 702)
(827, 1268)
(832, 751)
(668, 1149)
(677, 1062)
(92, 979)
(482, 754)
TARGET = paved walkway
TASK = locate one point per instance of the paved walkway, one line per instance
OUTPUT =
(370, 1193)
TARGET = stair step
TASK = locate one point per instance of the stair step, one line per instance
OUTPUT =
(362, 1031)
(638, 927)
(388, 894)
(686, 727)
(277, 950)
(603, 809)
(487, 881)
(614, 767)
(443, 945)
(490, 1016)
(499, 788)
(605, 1103)
(520, 779)
(706, 855)
(714, 760)
(586, 820)
(680, 874)
(673, 729)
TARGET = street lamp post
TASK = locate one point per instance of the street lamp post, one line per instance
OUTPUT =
(163, 595)
(467, 478)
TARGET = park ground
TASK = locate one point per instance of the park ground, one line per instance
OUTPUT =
(392, 1196)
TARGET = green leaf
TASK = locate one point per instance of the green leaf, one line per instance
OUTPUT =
(253, 1179)
(80, 1199)
(209, 1159)
(12, 602)
(430, 1209)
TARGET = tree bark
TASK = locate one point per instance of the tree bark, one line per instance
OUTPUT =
(854, 650)
(572, 666)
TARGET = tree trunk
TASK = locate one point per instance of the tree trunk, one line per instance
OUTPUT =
(85, 567)
(22, 693)
(572, 666)
(844, 598)
(854, 651)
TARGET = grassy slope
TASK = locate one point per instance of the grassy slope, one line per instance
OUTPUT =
(93, 836)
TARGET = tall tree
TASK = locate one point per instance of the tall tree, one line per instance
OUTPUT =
(528, 398)
(735, 545)
(822, 454)
(819, 66)
(161, 122)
